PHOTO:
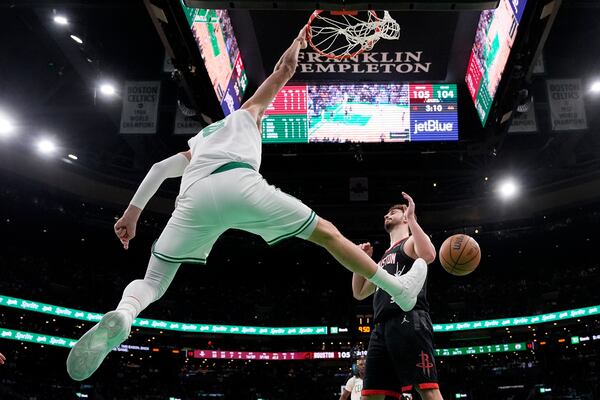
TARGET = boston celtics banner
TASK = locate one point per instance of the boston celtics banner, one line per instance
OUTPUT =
(140, 107)
(567, 109)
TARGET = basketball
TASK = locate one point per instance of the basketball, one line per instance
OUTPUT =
(460, 254)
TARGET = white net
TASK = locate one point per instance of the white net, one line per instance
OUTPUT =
(345, 35)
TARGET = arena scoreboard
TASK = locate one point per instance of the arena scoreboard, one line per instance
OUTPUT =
(215, 38)
(494, 39)
(365, 112)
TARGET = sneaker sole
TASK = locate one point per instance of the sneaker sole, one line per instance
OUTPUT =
(89, 351)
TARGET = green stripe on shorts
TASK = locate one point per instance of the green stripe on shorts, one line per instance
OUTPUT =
(187, 260)
(231, 165)
(306, 223)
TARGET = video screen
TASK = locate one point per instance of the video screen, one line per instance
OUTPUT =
(494, 38)
(218, 46)
(365, 112)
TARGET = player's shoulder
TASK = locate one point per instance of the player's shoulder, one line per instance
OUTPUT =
(351, 381)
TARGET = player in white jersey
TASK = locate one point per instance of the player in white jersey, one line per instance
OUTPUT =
(353, 387)
(221, 188)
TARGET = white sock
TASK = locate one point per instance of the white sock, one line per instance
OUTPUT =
(140, 293)
(386, 281)
(131, 306)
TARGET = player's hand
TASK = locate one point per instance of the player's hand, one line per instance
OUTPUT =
(2, 359)
(126, 225)
(302, 37)
(367, 248)
(410, 211)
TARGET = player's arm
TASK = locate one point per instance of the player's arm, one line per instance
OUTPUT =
(361, 287)
(418, 244)
(345, 394)
(2, 359)
(282, 73)
(171, 167)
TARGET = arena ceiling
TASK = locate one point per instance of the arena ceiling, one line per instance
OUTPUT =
(49, 84)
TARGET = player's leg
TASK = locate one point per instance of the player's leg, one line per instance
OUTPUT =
(260, 208)
(114, 327)
(420, 355)
(380, 378)
(373, 397)
(140, 293)
(343, 250)
(430, 394)
(187, 238)
(403, 289)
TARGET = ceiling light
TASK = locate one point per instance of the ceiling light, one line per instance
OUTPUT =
(6, 125)
(107, 89)
(46, 146)
(77, 39)
(508, 189)
(61, 20)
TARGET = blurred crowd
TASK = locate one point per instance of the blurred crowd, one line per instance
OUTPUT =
(62, 251)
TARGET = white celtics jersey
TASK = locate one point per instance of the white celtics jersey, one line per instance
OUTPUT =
(354, 386)
(234, 138)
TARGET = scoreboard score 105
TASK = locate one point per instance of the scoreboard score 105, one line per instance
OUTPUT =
(365, 112)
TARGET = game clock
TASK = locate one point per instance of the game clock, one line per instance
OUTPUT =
(364, 329)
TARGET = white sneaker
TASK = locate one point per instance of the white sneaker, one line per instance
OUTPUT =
(412, 283)
(89, 351)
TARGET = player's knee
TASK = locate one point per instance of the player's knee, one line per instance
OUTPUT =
(325, 233)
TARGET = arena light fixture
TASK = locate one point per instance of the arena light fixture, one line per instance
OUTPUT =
(6, 126)
(72, 156)
(508, 188)
(77, 39)
(46, 146)
(595, 86)
(107, 89)
(61, 20)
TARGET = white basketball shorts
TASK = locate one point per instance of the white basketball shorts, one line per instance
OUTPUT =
(238, 198)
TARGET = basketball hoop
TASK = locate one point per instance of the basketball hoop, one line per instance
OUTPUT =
(345, 34)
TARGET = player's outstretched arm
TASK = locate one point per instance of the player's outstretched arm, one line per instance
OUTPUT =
(282, 73)
(361, 287)
(419, 245)
(171, 167)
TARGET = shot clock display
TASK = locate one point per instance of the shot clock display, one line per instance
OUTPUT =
(365, 112)
(364, 329)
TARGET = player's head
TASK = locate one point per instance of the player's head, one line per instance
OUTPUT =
(359, 370)
(395, 217)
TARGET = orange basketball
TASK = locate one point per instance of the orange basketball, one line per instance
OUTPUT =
(460, 254)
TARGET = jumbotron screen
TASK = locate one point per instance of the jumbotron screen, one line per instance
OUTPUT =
(365, 112)
(218, 46)
(494, 38)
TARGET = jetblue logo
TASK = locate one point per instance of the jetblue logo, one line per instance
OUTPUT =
(433, 126)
